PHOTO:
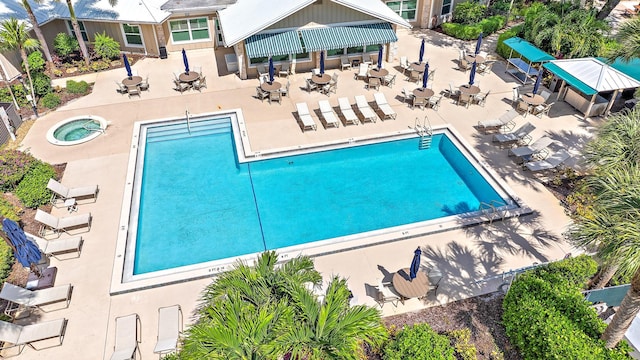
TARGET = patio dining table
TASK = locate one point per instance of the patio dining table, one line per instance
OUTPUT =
(477, 58)
(423, 93)
(190, 77)
(378, 73)
(321, 79)
(415, 66)
(132, 81)
(410, 288)
(469, 89)
(274, 86)
(533, 99)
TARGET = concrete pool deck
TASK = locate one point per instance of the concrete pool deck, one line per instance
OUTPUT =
(464, 255)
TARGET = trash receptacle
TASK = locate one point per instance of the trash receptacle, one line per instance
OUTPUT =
(163, 52)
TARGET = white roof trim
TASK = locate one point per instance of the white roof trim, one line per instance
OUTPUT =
(596, 74)
(375, 8)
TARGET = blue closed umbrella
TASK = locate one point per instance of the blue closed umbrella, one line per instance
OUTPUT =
(380, 57)
(127, 66)
(478, 44)
(536, 86)
(271, 70)
(425, 76)
(26, 252)
(472, 76)
(321, 62)
(421, 52)
(415, 264)
(186, 61)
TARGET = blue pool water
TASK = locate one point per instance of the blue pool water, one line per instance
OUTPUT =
(198, 204)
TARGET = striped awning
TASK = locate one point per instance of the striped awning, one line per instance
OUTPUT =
(273, 44)
(338, 37)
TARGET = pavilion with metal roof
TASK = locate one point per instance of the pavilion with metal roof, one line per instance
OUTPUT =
(521, 67)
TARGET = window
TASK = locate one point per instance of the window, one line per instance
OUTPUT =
(334, 52)
(302, 56)
(446, 7)
(132, 35)
(189, 30)
(82, 30)
(405, 8)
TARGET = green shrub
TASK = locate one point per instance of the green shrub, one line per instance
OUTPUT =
(99, 65)
(6, 254)
(469, 12)
(492, 24)
(7, 210)
(41, 84)
(50, 101)
(463, 32)
(18, 91)
(500, 6)
(14, 165)
(418, 342)
(461, 341)
(65, 44)
(105, 47)
(32, 190)
(77, 87)
(36, 62)
(547, 317)
(502, 49)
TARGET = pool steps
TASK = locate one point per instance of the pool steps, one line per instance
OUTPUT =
(181, 130)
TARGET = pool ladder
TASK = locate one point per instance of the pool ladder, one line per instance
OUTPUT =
(491, 208)
(188, 116)
(425, 131)
(84, 126)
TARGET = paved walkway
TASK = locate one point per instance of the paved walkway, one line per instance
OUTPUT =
(464, 255)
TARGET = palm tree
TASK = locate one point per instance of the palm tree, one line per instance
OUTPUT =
(624, 316)
(607, 8)
(77, 31)
(37, 30)
(14, 36)
(629, 38)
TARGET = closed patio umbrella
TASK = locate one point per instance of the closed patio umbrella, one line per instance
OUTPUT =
(127, 66)
(185, 61)
(472, 75)
(321, 62)
(536, 86)
(421, 52)
(415, 264)
(425, 76)
(25, 251)
(478, 44)
(380, 57)
(271, 70)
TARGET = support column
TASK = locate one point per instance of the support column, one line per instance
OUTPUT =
(242, 68)
(593, 99)
(613, 99)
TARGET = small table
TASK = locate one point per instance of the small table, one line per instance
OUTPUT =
(321, 79)
(423, 93)
(477, 58)
(71, 205)
(274, 86)
(355, 62)
(132, 81)
(378, 73)
(190, 77)
(408, 288)
(533, 99)
(47, 279)
(417, 66)
(469, 89)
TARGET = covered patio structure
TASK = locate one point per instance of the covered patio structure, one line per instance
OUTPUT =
(589, 84)
(521, 67)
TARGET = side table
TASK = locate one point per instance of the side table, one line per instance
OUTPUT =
(71, 205)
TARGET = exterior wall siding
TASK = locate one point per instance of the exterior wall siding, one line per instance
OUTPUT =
(51, 29)
(190, 46)
(326, 13)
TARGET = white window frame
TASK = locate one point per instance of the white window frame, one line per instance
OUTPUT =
(80, 25)
(124, 36)
(399, 12)
(189, 29)
(450, 8)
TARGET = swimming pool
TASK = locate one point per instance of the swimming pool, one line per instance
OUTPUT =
(200, 204)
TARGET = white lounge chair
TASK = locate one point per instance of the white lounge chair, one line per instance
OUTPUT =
(58, 225)
(57, 247)
(328, 114)
(14, 335)
(363, 71)
(350, 116)
(367, 112)
(526, 153)
(383, 105)
(169, 329)
(36, 298)
(127, 337)
(305, 117)
(505, 121)
(550, 163)
(521, 134)
(62, 193)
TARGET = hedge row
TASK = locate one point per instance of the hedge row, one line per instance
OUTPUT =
(547, 317)
(469, 32)
(419, 342)
(502, 49)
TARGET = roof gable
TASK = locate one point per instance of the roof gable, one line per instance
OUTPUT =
(596, 74)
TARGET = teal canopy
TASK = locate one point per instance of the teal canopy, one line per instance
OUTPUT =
(631, 68)
(338, 37)
(570, 79)
(527, 50)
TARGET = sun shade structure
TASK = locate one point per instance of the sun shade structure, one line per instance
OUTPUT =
(522, 67)
(335, 37)
(584, 79)
(273, 44)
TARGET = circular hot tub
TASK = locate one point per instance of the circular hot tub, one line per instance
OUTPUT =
(76, 130)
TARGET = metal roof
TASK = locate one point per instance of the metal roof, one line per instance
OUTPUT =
(273, 44)
(195, 5)
(527, 50)
(257, 15)
(337, 37)
(631, 68)
(591, 75)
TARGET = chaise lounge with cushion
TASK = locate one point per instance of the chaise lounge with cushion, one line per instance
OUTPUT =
(20, 336)
(57, 247)
(36, 298)
(328, 114)
(515, 137)
(62, 193)
(169, 329)
(127, 337)
(305, 117)
(363, 106)
(59, 225)
(550, 163)
(383, 105)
